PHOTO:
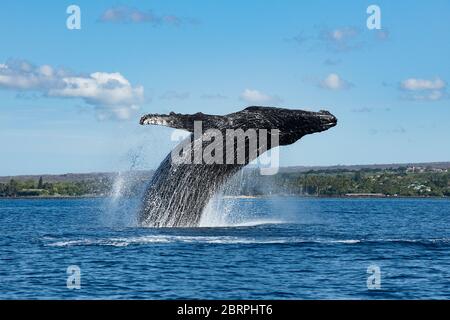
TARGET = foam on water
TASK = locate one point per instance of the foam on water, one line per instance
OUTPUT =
(254, 223)
(122, 242)
(224, 211)
(221, 214)
(167, 239)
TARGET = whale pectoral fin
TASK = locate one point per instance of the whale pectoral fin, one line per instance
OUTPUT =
(176, 120)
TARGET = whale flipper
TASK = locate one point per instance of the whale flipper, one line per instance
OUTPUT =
(181, 121)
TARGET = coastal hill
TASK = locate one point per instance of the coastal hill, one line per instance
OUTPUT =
(78, 177)
(69, 177)
(380, 180)
(433, 165)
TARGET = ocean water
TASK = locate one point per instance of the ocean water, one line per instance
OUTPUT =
(280, 248)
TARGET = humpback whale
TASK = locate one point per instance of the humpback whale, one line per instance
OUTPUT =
(178, 192)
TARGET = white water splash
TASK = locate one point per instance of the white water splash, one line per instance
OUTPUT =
(164, 239)
(220, 212)
(168, 239)
(226, 212)
(215, 214)
(117, 189)
(122, 206)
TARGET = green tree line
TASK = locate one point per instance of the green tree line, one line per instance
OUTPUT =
(30, 188)
(399, 182)
(341, 183)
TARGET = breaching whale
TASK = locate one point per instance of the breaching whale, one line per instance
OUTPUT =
(178, 191)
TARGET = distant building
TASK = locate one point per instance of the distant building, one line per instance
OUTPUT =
(365, 195)
(415, 169)
(420, 169)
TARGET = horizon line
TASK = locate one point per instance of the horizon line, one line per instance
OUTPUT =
(446, 164)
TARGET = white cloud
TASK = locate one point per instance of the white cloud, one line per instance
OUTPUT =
(341, 34)
(174, 95)
(340, 39)
(127, 14)
(22, 75)
(334, 82)
(46, 70)
(214, 96)
(255, 96)
(422, 84)
(332, 62)
(382, 35)
(110, 93)
(433, 95)
(424, 89)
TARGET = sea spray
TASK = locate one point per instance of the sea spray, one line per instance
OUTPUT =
(228, 207)
(127, 189)
(120, 209)
(128, 186)
(221, 210)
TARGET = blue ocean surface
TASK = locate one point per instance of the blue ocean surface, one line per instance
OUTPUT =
(261, 248)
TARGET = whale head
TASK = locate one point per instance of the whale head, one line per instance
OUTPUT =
(292, 124)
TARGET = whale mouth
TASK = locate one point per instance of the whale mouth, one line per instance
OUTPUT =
(327, 120)
(330, 124)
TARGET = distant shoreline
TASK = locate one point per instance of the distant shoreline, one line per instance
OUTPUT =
(336, 197)
(52, 197)
(83, 176)
(245, 197)
(415, 181)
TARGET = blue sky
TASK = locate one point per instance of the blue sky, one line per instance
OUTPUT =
(388, 87)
